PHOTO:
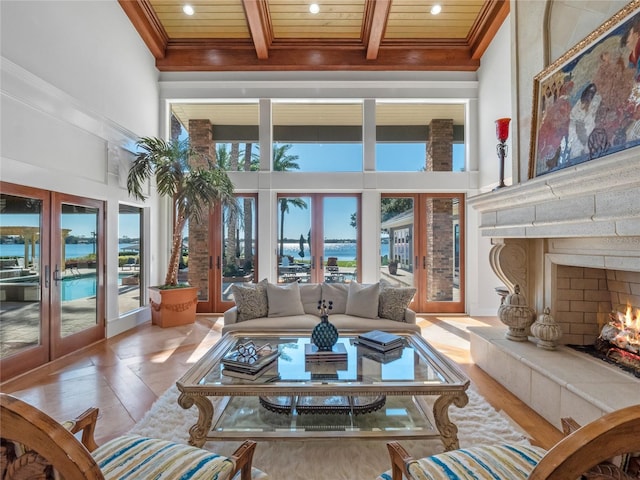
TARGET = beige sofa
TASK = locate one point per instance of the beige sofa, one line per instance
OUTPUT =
(295, 307)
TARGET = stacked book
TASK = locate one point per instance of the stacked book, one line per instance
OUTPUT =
(235, 364)
(380, 356)
(380, 341)
(338, 353)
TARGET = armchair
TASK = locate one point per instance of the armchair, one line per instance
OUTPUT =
(34, 444)
(613, 434)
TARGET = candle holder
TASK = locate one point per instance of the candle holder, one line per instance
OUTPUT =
(502, 133)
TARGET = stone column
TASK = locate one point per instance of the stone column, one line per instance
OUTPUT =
(440, 146)
(201, 137)
(439, 214)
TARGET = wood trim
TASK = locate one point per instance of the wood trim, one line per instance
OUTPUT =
(220, 56)
(257, 13)
(376, 21)
(60, 345)
(38, 355)
(148, 25)
(486, 26)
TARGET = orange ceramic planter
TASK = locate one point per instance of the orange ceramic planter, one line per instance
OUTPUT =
(173, 307)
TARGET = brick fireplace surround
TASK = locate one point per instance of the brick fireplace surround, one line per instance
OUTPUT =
(571, 240)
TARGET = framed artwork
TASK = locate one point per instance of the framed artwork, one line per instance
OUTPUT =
(586, 105)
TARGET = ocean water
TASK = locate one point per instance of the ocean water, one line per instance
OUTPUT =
(73, 250)
(343, 251)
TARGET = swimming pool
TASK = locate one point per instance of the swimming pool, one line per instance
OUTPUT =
(83, 286)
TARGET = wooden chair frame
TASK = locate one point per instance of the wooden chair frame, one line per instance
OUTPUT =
(613, 434)
(33, 428)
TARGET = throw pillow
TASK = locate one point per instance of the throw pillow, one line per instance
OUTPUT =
(251, 300)
(284, 300)
(337, 293)
(310, 295)
(362, 300)
(394, 301)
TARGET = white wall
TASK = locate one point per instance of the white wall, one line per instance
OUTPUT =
(78, 86)
(494, 85)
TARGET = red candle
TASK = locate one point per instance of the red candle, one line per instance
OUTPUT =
(502, 129)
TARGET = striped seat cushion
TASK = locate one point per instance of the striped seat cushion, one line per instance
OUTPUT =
(505, 462)
(134, 457)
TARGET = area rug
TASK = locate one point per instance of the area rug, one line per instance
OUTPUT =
(338, 459)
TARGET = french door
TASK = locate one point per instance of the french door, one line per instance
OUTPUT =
(318, 237)
(422, 245)
(232, 257)
(51, 276)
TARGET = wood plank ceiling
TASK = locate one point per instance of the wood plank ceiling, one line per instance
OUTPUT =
(247, 35)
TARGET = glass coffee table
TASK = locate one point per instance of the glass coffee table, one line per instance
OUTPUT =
(403, 394)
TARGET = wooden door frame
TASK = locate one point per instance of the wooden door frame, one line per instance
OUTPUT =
(419, 303)
(215, 302)
(61, 346)
(317, 228)
(40, 354)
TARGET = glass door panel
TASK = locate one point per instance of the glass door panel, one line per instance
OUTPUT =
(130, 268)
(296, 260)
(238, 248)
(78, 285)
(340, 238)
(442, 258)
(318, 238)
(397, 235)
(24, 326)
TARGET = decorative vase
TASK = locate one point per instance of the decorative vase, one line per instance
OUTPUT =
(546, 330)
(516, 315)
(325, 334)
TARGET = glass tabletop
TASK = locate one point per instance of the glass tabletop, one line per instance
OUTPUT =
(414, 363)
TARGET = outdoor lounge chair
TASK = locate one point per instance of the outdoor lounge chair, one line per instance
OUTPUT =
(33, 444)
(587, 448)
(332, 265)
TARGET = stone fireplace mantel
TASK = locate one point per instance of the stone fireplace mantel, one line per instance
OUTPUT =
(600, 198)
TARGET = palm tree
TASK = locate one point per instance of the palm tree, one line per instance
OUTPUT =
(185, 175)
(283, 161)
(284, 208)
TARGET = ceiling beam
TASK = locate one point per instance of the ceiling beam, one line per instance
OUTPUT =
(182, 57)
(377, 24)
(146, 22)
(257, 13)
(486, 26)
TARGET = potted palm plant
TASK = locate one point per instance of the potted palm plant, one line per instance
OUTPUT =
(193, 184)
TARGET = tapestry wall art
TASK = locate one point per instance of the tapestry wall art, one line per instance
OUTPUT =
(586, 105)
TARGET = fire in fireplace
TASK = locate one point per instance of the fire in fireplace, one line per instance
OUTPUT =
(619, 340)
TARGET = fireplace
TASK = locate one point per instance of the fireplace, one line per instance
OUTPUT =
(571, 240)
(557, 236)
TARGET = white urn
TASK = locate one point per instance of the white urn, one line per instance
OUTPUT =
(516, 315)
(546, 330)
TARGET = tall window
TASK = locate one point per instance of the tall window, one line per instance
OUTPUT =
(129, 258)
(320, 137)
(413, 137)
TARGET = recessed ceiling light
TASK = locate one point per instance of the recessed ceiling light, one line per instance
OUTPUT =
(314, 8)
(188, 9)
(436, 9)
